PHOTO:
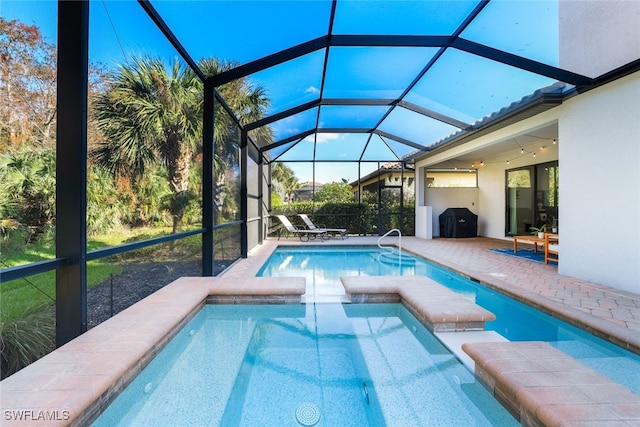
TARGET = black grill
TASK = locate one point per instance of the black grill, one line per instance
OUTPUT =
(458, 222)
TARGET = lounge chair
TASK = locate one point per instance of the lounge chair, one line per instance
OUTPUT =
(341, 231)
(304, 234)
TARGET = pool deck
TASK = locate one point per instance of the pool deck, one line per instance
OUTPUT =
(69, 386)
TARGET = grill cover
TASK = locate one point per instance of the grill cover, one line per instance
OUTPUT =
(458, 222)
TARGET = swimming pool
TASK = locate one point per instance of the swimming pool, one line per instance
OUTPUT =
(323, 266)
(217, 372)
(313, 364)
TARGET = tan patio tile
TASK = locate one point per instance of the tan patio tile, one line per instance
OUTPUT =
(607, 393)
(555, 414)
(534, 397)
(628, 411)
(513, 364)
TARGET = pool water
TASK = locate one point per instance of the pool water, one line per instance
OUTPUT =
(313, 364)
(323, 266)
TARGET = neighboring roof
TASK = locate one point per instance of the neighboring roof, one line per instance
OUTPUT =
(394, 167)
(310, 184)
(391, 167)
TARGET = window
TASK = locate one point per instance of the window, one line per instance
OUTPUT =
(452, 178)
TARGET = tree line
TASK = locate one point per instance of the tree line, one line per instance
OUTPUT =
(144, 139)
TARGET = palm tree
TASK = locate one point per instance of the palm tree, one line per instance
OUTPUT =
(287, 179)
(291, 184)
(153, 115)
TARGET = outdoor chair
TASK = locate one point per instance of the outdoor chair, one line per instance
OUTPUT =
(551, 247)
(304, 234)
(341, 231)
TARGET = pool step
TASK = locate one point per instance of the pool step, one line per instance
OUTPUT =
(454, 341)
(542, 386)
(437, 307)
(395, 259)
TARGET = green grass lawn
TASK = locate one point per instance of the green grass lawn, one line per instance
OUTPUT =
(27, 305)
(22, 297)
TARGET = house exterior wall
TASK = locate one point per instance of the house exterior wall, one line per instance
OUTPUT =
(598, 36)
(491, 195)
(599, 156)
(387, 179)
(599, 136)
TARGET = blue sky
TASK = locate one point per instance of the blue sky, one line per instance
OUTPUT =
(460, 85)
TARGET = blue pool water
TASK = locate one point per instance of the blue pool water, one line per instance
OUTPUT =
(313, 364)
(515, 321)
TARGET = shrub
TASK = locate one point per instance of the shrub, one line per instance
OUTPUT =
(28, 188)
(334, 192)
(106, 207)
(357, 218)
(276, 200)
(25, 340)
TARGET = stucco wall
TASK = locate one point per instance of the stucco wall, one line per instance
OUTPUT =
(599, 134)
(598, 36)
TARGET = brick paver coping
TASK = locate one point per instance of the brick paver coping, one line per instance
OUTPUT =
(438, 308)
(542, 386)
(73, 384)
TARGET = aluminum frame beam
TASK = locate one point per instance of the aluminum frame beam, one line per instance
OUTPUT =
(171, 37)
(433, 114)
(71, 173)
(375, 40)
(300, 136)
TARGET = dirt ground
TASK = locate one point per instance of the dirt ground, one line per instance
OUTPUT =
(136, 281)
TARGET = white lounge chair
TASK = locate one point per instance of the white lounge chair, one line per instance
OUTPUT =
(341, 231)
(304, 234)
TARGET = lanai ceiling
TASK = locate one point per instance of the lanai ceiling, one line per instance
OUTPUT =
(378, 80)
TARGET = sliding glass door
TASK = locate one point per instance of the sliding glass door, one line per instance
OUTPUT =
(532, 198)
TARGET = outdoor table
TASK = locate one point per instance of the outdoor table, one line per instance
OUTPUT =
(529, 239)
